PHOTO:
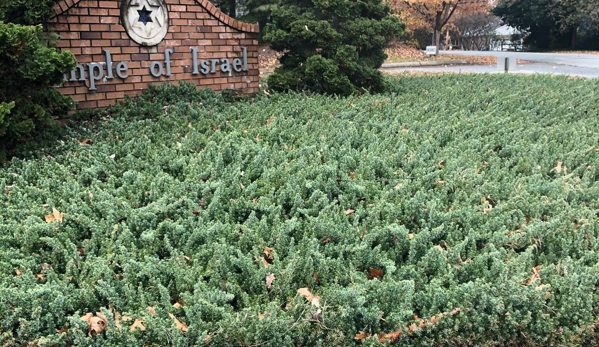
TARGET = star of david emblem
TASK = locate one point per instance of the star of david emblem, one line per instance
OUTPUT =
(146, 21)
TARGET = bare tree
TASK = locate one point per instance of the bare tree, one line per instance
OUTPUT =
(476, 30)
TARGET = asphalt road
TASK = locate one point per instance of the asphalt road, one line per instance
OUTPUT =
(570, 59)
(583, 65)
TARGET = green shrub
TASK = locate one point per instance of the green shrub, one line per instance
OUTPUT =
(451, 186)
(26, 12)
(331, 47)
(30, 69)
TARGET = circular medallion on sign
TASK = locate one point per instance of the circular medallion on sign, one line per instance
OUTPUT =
(145, 21)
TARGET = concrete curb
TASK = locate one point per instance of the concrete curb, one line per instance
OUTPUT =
(427, 63)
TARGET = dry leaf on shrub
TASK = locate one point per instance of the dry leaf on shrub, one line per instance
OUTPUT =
(349, 211)
(18, 273)
(558, 168)
(96, 324)
(375, 273)
(63, 330)
(392, 336)
(269, 252)
(269, 279)
(180, 325)
(117, 320)
(535, 275)
(180, 303)
(137, 324)
(313, 299)
(361, 336)
(264, 262)
(55, 216)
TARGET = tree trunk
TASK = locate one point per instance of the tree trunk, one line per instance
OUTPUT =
(232, 8)
(574, 37)
(437, 40)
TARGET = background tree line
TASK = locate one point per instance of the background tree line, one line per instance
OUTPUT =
(544, 24)
(553, 24)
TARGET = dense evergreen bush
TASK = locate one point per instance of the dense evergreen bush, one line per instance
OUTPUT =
(30, 68)
(29, 72)
(453, 212)
(26, 12)
(332, 47)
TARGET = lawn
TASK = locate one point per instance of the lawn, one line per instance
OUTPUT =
(455, 210)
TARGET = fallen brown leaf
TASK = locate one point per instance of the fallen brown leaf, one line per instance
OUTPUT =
(349, 211)
(117, 320)
(392, 336)
(361, 336)
(269, 252)
(265, 262)
(55, 216)
(352, 175)
(86, 317)
(180, 325)
(152, 310)
(18, 272)
(63, 330)
(313, 299)
(85, 142)
(96, 324)
(137, 324)
(269, 279)
(411, 328)
(375, 273)
(535, 275)
(558, 168)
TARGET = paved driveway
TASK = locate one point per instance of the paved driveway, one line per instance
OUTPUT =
(571, 59)
(584, 65)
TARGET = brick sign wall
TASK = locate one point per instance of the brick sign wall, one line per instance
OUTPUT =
(123, 46)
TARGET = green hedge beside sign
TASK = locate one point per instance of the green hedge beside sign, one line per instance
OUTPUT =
(457, 211)
(31, 68)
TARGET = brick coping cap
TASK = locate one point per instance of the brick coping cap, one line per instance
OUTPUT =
(64, 5)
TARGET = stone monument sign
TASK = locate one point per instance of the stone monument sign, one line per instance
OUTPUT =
(122, 46)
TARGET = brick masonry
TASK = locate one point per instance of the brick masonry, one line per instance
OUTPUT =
(87, 27)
